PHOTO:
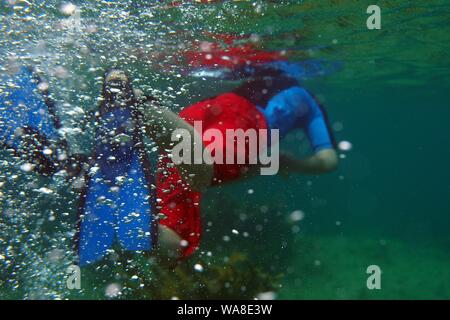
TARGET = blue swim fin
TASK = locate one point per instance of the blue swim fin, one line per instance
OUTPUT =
(28, 123)
(118, 202)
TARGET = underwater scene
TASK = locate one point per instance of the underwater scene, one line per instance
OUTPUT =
(350, 97)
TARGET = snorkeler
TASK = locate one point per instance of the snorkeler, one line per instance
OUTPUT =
(117, 203)
(118, 200)
(271, 99)
(236, 57)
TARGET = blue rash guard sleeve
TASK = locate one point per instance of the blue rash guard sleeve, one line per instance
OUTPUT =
(315, 126)
(295, 108)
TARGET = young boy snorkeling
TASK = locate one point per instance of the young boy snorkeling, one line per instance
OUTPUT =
(267, 101)
(119, 203)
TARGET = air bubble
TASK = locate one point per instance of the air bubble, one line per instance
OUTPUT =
(296, 216)
(113, 290)
(345, 146)
(68, 9)
(26, 167)
(198, 267)
(269, 295)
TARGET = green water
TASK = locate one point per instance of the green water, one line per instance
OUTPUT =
(386, 205)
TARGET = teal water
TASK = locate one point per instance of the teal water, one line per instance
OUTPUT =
(386, 205)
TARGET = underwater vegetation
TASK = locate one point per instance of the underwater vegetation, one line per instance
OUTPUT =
(334, 267)
(237, 277)
(231, 263)
(234, 277)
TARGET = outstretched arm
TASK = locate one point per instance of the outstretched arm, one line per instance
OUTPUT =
(323, 161)
(320, 136)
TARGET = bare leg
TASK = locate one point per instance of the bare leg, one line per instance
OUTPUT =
(160, 123)
(169, 246)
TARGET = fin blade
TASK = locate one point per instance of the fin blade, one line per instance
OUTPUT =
(28, 123)
(22, 105)
(135, 230)
(97, 221)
